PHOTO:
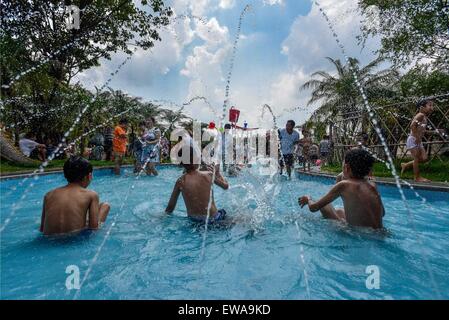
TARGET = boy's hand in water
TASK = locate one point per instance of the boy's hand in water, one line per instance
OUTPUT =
(304, 200)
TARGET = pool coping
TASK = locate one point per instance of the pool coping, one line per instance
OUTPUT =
(24, 174)
(435, 186)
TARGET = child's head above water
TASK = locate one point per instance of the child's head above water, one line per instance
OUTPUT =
(78, 170)
(192, 161)
(359, 162)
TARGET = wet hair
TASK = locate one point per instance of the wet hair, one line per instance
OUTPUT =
(190, 165)
(360, 162)
(422, 103)
(292, 122)
(123, 121)
(76, 168)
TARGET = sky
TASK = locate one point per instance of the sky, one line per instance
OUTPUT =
(282, 42)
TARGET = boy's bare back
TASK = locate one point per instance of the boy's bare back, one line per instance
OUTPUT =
(66, 208)
(195, 188)
(362, 203)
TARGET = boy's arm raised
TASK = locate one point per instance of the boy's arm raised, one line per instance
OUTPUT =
(219, 179)
(333, 194)
(94, 209)
(174, 197)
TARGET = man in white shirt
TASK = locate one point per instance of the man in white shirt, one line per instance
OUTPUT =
(289, 138)
(31, 148)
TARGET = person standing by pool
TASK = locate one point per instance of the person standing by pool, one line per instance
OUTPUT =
(108, 140)
(73, 208)
(137, 147)
(306, 142)
(418, 128)
(362, 202)
(31, 148)
(150, 149)
(324, 149)
(289, 138)
(195, 186)
(119, 144)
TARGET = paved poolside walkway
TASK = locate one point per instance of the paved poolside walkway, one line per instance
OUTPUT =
(432, 186)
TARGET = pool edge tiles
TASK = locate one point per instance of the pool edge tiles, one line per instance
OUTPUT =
(21, 175)
(382, 181)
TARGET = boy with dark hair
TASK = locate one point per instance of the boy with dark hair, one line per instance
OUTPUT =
(362, 203)
(73, 208)
(119, 144)
(418, 128)
(195, 187)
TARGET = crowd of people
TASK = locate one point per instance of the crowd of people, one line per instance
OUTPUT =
(73, 207)
(303, 151)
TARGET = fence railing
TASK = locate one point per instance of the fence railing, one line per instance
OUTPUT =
(394, 121)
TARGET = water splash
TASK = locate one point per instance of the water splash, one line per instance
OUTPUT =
(58, 148)
(231, 64)
(223, 116)
(273, 116)
(379, 133)
(114, 221)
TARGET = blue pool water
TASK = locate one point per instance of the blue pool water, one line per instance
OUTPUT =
(277, 251)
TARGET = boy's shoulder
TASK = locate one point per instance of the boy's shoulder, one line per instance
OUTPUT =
(420, 115)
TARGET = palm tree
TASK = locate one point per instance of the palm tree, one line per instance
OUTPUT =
(339, 92)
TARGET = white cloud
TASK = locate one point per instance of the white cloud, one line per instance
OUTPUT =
(310, 39)
(306, 47)
(197, 7)
(273, 2)
(204, 66)
(227, 4)
(145, 65)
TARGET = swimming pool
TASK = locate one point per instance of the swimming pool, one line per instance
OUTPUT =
(278, 251)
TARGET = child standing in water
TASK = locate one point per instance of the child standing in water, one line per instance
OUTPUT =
(150, 148)
(119, 144)
(418, 128)
(73, 208)
(195, 187)
(362, 203)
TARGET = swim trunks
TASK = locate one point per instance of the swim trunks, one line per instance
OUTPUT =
(219, 216)
(411, 143)
(286, 159)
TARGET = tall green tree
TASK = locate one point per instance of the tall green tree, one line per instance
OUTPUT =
(338, 92)
(409, 29)
(34, 34)
(106, 26)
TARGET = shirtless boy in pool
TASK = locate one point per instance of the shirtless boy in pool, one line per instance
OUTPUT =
(73, 208)
(418, 128)
(195, 187)
(362, 203)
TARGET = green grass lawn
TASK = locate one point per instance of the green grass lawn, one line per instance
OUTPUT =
(8, 167)
(435, 170)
